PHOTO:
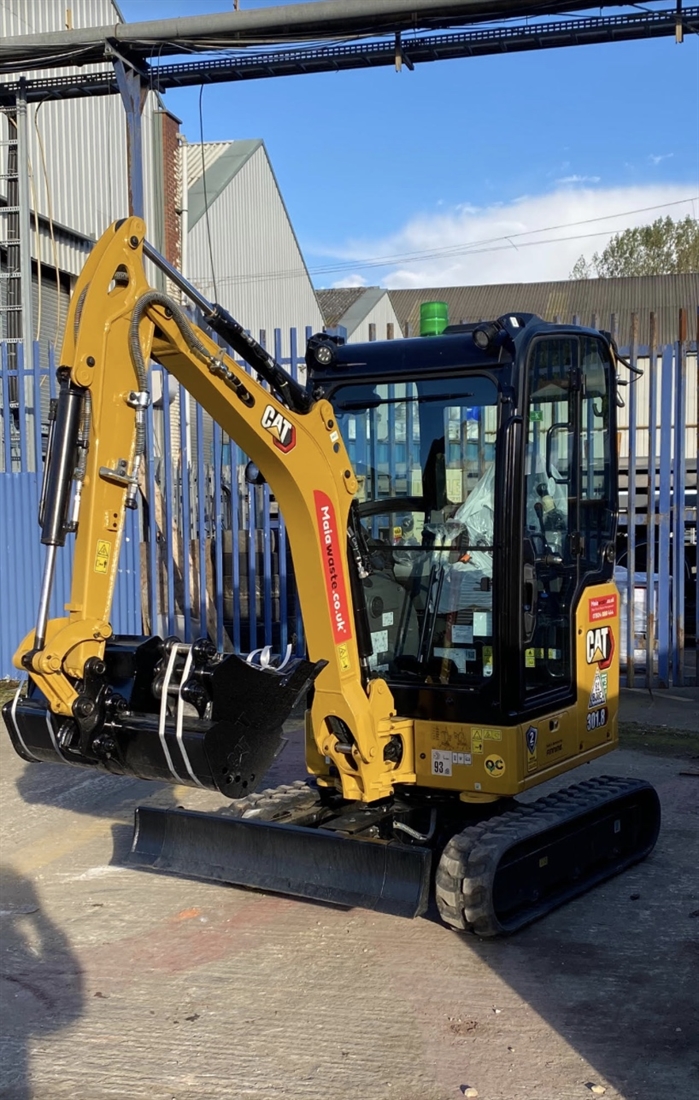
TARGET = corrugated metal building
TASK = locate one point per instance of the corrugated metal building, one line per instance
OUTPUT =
(588, 299)
(664, 295)
(237, 220)
(77, 154)
(366, 312)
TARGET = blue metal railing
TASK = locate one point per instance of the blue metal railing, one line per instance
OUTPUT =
(206, 553)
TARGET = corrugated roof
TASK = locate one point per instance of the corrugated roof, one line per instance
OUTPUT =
(222, 161)
(208, 152)
(664, 295)
(349, 306)
(335, 303)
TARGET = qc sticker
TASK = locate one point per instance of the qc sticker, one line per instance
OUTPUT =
(495, 766)
(102, 555)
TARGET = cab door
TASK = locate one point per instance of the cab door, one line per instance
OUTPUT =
(569, 504)
(551, 538)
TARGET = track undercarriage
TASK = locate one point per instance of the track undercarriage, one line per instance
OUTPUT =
(164, 711)
(491, 870)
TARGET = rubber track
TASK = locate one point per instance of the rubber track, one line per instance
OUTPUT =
(466, 871)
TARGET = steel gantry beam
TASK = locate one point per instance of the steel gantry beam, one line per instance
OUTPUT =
(245, 65)
(323, 19)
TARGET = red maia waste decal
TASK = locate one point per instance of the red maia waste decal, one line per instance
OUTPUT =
(334, 577)
(603, 607)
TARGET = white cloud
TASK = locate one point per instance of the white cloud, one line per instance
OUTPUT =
(579, 179)
(655, 158)
(349, 281)
(530, 239)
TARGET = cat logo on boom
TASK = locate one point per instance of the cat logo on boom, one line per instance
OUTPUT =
(282, 429)
(599, 646)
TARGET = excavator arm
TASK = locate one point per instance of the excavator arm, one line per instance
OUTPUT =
(116, 324)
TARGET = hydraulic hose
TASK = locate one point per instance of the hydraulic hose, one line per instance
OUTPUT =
(156, 298)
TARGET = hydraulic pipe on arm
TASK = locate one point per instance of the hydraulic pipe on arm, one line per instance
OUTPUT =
(116, 324)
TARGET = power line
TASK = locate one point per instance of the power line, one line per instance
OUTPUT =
(475, 248)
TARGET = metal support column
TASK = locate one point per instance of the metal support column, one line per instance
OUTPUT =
(133, 96)
(25, 239)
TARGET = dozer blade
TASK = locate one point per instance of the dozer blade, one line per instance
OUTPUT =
(316, 863)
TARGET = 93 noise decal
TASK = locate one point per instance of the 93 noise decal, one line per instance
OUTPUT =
(280, 428)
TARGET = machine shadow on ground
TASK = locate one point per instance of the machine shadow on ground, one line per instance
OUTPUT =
(615, 971)
(40, 978)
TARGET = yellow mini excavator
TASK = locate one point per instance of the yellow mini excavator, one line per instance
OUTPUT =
(451, 506)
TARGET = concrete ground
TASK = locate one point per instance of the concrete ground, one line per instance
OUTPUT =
(119, 983)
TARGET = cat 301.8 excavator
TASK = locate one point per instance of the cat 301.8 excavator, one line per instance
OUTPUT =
(450, 502)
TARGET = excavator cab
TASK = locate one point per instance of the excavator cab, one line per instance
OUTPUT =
(483, 530)
(450, 501)
(487, 511)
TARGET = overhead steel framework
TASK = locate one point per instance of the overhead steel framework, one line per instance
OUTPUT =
(293, 23)
(408, 51)
(384, 32)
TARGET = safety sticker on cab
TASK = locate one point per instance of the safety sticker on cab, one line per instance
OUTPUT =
(598, 695)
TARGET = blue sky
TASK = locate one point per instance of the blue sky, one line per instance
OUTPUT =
(376, 164)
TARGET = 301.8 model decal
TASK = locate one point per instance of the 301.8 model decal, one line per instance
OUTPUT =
(597, 718)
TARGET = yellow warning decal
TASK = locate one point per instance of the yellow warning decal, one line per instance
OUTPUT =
(487, 660)
(492, 735)
(102, 556)
(477, 741)
(344, 657)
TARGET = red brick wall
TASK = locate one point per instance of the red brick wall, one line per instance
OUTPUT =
(171, 197)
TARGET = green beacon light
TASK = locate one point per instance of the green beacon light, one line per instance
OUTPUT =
(434, 318)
